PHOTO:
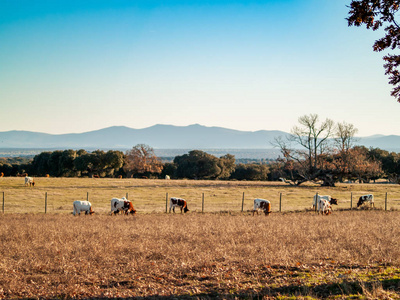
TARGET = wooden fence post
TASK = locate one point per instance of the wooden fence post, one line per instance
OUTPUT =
(386, 201)
(351, 201)
(166, 202)
(242, 201)
(3, 202)
(202, 204)
(45, 203)
(126, 196)
(87, 196)
(316, 201)
(280, 202)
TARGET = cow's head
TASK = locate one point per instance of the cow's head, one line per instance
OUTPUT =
(185, 209)
(131, 209)
(334, 201)
(360, 202)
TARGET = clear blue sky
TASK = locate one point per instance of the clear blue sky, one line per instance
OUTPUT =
(75, 66)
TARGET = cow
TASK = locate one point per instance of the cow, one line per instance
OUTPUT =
(167, 177)
(325, 197)
(262, 204)
(178, 202)
(324, 206)
(366, 199)
(29, 181)
(122, 205)
(85, 206)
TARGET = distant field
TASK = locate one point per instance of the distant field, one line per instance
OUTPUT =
(149, 196)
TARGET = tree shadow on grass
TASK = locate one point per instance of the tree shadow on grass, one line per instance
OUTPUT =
(345, 289)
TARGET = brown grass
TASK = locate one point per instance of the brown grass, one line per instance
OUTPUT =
(229, 255)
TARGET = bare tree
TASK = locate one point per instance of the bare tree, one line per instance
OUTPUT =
(344, 142)
(306, 144)
(345, 136)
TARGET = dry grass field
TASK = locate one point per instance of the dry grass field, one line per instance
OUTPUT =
(221, 254)
(149, 196)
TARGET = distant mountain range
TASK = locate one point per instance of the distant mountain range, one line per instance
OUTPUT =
(165, 137)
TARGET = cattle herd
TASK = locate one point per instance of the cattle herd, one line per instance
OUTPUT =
(123, 206)
(321, 203)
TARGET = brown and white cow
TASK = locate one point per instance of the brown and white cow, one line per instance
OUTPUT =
(324, 206)
(80, 206)
(369, 199)
(29, 181)
(122, 205)
(325, 197)
(181, 203)
(262, 204)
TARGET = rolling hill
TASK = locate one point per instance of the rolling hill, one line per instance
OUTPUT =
(165, 137)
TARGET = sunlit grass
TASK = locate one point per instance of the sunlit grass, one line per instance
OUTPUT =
(200, 255)
(150, 196)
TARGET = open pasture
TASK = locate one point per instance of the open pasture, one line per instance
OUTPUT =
(149, 196)
(348, 255)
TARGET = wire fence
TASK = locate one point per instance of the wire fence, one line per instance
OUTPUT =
(203, 202)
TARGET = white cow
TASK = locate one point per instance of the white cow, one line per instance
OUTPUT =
(85, 206)
(366, 199)
(29, 181)
(262, 204)
(325, 197)
(324, 206)
(123, 205)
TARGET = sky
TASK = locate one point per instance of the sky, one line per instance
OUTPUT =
(71, 66)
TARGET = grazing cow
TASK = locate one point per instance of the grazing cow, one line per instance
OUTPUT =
(85, 206)
(178, 202)
(123, 205)
(1, 174)
(167, 177)
(325, 197)
(29, 181)
(262, 204)
(366, 199)
(324, 206)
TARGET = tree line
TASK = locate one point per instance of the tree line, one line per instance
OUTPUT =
(321, 152)
(138, 162)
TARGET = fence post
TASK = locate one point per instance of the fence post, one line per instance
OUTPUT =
(280, 202)
(87, 196)
(351, 201)
(3, 202)
(202, 204)
(45, 203)
(242, 201)
(126, 196)
(386, 201)
(316, 202)
(166, 202)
